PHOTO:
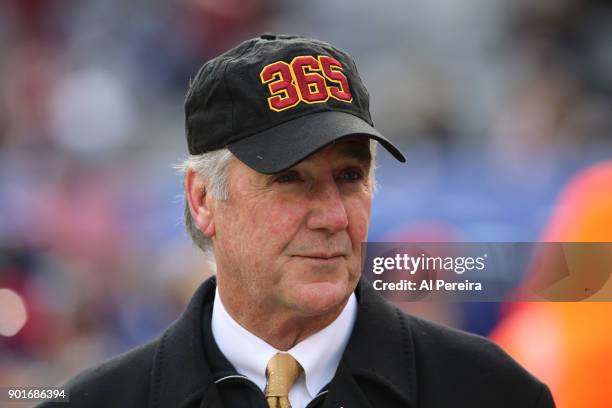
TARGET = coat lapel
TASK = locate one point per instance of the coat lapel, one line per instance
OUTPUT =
(345, 392)
(211, 398)
(380, 353)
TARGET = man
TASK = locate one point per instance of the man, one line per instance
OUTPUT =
(279, 189)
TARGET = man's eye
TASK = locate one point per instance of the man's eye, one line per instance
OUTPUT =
(286, 178)
(351, 175)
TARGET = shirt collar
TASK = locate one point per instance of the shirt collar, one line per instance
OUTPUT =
(318, 354)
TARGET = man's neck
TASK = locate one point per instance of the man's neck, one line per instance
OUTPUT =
(280, 329)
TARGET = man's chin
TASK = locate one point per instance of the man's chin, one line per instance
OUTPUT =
(320, 298)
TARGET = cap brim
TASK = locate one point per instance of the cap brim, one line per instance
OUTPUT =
(287, 144)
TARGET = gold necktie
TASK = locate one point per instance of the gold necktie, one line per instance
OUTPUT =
(281, 373)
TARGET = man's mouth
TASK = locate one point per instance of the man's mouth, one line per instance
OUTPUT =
(322, 256)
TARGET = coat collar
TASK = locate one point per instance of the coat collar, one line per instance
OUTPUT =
(380, 350)
(180, 371)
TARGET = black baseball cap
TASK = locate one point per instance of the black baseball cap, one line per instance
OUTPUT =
(275, 100)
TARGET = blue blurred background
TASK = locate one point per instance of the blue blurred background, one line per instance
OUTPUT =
(497, 105)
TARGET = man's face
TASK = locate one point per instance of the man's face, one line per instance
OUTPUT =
(291, 242)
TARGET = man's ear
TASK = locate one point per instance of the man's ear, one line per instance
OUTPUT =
(195, 190)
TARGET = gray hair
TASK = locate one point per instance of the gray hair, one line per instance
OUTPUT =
(213, 168)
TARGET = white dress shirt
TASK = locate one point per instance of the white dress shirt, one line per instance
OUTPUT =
(318, 354)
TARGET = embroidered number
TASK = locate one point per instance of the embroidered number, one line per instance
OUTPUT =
(312, 85)
(279, 78)
(306, 79)
(333, 71)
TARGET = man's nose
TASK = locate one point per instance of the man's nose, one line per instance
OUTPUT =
(328, 211)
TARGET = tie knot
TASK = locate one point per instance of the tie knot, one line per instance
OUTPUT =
(281, 373)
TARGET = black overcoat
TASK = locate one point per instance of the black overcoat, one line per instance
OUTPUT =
(392, 360)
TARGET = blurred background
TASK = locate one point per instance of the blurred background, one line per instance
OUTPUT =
(503, 108)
